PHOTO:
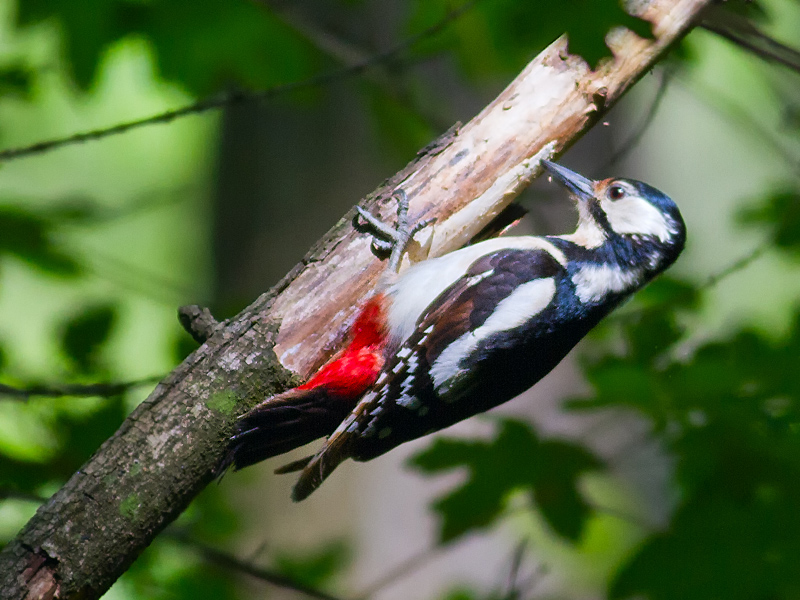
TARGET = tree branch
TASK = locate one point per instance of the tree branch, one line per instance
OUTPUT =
(91, 530)
(630, 144)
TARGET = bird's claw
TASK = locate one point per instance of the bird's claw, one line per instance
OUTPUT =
(393, 240)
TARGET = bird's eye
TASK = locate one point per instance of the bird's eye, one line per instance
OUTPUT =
(616, 192)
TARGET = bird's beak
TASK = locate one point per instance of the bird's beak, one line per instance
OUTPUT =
(579, 185)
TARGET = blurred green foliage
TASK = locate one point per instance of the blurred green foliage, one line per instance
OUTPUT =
(15, 80)
(731, 418)
(466, 594)
(499, 37)
(244, 43)
(204, 44)
(516, 460)
(29, 236)
(84, 335)
(779, 213)
(77, 436)
(726, 410)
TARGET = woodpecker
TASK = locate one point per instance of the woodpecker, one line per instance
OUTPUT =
(456, 335)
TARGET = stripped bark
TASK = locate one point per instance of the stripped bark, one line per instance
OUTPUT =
(90, 531)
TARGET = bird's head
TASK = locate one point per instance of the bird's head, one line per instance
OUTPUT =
(623, 210)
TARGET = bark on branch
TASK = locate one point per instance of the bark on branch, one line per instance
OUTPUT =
(89, 532)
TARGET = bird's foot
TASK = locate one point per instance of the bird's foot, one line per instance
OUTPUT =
(388, 239)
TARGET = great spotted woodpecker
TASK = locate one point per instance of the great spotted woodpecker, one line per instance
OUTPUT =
(457, 335)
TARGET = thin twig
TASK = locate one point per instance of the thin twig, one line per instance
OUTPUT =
(512, 583)
(743, 32)
(636, 520)
(346, 52)
(228, 561)
(738, 114)
(630, 144)
(735, 266)
(238, 97)
(9, 494)
(142, 202)
(136, 278)
(404, 569)
(24, 394)
(771, 51)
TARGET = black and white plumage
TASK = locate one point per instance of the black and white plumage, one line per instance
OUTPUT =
(476, 327)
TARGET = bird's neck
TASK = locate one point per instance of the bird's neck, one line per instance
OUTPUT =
(587, 247)
(612, 269)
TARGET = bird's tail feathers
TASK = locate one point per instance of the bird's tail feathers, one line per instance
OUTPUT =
(282, 423)
(294, 466)
(317, 468)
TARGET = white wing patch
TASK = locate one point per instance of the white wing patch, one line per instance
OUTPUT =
(594, 282)
(523, 304)
(420, 285)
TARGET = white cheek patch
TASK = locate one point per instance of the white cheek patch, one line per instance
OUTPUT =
(594, 282)
(635, 215)
(522, 305)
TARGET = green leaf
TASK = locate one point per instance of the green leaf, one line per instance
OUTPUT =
(467, 594)
(669, 292)
(779, 213)
(203, 582)
(81, 435)
(29, 236)
(515, 460)
(77, 436)
(16, 80)
(182, 346)
(589, 21)
(171, 570)
(84, 336)
(233, 42)
(752, 9)
(730, 416)
(210, 517)
(88, 28)
(506, 34)
(737, 539)
(76, 210)
(206, 45)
